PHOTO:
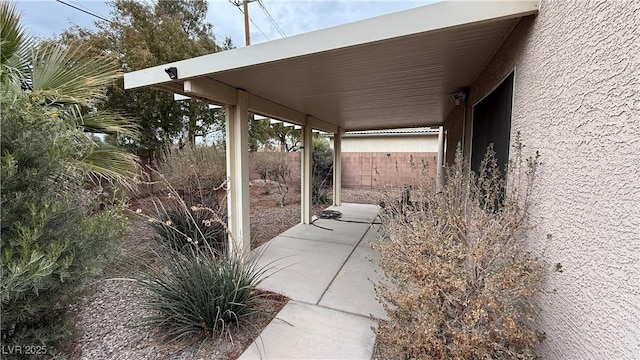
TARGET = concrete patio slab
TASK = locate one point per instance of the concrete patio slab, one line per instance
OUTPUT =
(372, 236)
(352, 290)
(303, 331)
(365, 212)
(328, 230)
(326, 274)
(303, 269)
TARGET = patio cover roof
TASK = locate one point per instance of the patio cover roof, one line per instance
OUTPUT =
(392, 71)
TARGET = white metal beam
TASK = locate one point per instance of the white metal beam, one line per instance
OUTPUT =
(305, 173)
(337, 167)
(274, 110)
(237, 137)
(211, 90)
(170, 87)
(321, 125)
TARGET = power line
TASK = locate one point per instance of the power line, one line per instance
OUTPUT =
(254, 24)
(271, 19)
(89, 12)
(86, 11)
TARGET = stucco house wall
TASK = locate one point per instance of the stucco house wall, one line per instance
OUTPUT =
(577, 101)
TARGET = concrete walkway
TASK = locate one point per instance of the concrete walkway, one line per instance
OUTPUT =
(328, 274)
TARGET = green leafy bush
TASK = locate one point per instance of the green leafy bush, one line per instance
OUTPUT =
(460, 278)
(322, 172)
(58, 228)
(54, 232)
(199, 294)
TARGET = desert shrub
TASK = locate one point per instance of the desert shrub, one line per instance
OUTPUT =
(274, 169)
(180, 226)
(56, 233)
(200, 294)
(195, 172)
(322, 172)
(460, 278)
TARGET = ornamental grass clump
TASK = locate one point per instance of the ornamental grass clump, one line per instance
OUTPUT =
(459, 276)
(199, 295)
(180, 226)
(197, 289)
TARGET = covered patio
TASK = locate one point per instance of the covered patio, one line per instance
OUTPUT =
(393, 71)
(407, 69)
(328, 272)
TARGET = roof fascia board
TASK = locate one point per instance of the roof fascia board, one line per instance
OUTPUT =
(378, 135)
(415, 134)
(397, 134)
(433, 17)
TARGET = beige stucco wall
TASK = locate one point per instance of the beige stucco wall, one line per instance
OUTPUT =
(405, 143)
(577, 101)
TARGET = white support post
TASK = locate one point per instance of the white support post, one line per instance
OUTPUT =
(306, 167)
(237, 137)
(337, 167)
(440, 161)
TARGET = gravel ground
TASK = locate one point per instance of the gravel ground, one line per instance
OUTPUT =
(107, 323)
(362, 196)
(106, 318)
(269, 219)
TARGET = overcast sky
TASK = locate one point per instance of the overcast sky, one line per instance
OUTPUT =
(47, 18)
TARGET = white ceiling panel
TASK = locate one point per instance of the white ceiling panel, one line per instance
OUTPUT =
(393, 71)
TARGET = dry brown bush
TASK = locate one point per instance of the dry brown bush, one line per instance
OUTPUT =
(195, 172)
(274, 167)
(459, 278)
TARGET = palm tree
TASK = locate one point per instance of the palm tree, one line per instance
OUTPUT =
(68, 84)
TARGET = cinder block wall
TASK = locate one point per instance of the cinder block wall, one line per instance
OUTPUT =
(371, 170)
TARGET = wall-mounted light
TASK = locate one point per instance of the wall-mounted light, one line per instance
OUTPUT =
(172, 72)
(458, 97)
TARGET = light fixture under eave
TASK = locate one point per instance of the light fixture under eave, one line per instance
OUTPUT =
(458, 97)
(213, 106)
(172, 72)
(274, 121)
(259, 117)
(180, 97)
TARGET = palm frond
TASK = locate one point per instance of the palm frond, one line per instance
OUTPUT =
(15, 45)
(104, 122)
(109, 163)
(66, 82)
(62, 75)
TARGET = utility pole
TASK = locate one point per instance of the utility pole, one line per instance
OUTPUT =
(247, 37)
(245, 6)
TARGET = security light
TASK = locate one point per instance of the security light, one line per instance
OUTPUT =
(172, 72)
(457, 97)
